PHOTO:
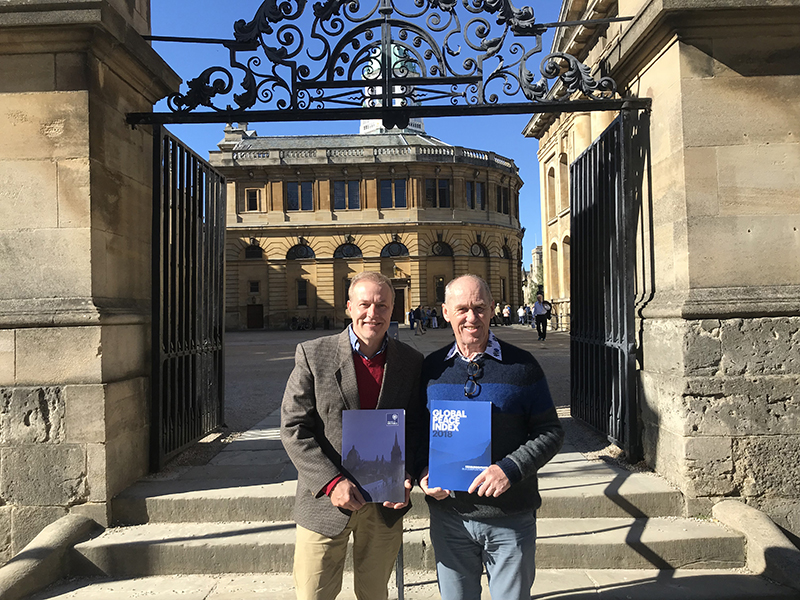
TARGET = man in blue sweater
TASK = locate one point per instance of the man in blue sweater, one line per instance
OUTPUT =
(494, 523)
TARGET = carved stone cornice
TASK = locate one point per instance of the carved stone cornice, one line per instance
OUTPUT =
(72, 312)
(722, 303)
(86, 26)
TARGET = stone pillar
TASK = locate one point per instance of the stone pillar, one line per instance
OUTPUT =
(326, 291)
(278, 299)
(419, 283)
(720, 352)
(493, 279)
(75, 227)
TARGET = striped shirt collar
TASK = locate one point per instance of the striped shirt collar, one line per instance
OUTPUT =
(492, 349)
(355, 343)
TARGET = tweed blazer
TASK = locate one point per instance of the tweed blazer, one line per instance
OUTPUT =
(322, 385)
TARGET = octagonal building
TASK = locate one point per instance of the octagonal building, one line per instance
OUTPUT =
(306, 213)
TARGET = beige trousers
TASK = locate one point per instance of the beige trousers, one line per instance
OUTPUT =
(319, 560)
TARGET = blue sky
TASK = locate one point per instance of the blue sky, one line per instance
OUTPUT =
(215, 19)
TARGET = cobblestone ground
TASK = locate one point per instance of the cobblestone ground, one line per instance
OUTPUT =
(258, 363)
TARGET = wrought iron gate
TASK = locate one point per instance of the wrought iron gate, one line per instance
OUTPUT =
(385, 59)
(188, 310)
(603, 340)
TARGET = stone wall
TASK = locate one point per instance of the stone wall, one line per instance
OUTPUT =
(75, 211)
(724, 418)
(720, 250)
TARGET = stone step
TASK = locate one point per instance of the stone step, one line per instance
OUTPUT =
(595, 490)
(258, 547)
(693, 584)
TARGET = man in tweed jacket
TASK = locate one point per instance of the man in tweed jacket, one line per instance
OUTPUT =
(361, 368)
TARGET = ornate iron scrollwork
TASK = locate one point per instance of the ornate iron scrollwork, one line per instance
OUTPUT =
(386, 53)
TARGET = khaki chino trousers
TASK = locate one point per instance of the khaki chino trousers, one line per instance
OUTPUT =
(319, 560)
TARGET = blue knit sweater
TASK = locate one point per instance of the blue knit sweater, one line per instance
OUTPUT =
(526, 432)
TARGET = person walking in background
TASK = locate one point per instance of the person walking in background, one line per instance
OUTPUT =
(498, 314)
(493, 524)
(521, 315)
(541, 312)
(434, 318)
(412, 321)
(507, 314)
(420, 320)
(361, 368)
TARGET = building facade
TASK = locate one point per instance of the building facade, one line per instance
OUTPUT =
(718, 253)
(306, 213)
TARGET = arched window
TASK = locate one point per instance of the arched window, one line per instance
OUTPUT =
(347, 251)
(551, 193)
(506, 253)
(253, 251)
(555, 288)
(478, 249)
(393, 249)
(300, 251)
(563, 176)
(441, 249)
(566, 268)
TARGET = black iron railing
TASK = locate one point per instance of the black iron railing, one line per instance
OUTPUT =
(603, 341)
(188, 298)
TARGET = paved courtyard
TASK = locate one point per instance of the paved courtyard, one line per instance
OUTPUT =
(258, 363)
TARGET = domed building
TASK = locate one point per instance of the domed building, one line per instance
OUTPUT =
(306, 213)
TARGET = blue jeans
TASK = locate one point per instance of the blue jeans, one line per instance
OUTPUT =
(505, 545)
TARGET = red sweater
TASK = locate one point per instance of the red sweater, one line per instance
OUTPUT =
(369, 375)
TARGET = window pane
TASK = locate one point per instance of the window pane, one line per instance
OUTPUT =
(302, 292)
(444, 193)
(353, 199)
(252, 199)
(430, 193)
(292, 200)
(470, 194)
(399, 193)
(254, 287)
(386, 193)
(499, 199)
(505, 201)
(306, 196)
(480, 192)
(338, 195)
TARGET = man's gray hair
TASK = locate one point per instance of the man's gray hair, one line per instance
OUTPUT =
(372, 276)
(485, 291)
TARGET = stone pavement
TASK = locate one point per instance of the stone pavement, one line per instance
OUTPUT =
(602, 528)
(549, 585)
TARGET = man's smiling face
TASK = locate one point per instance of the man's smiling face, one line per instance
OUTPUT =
(468, 310)
(370, 307)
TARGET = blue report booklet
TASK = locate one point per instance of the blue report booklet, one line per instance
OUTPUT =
(374, 452)
(461, 442)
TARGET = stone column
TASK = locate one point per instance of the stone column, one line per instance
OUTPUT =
(75, 227)
(326, 291)
(720, 352)
(419, 288)
(278, 299)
